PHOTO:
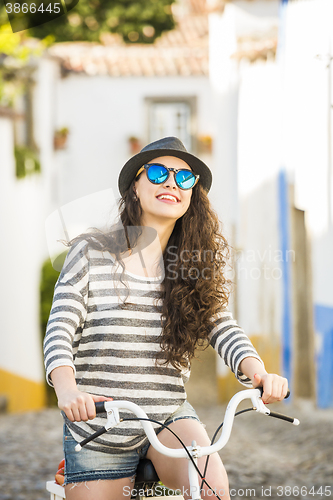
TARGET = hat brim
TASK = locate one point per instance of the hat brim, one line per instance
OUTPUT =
(131, 167)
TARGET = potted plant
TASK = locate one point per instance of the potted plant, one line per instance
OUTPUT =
(205, 144)
(60, 138)
(134, 144)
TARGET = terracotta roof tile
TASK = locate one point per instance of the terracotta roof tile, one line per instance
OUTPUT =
(254, 49)
(182, 51)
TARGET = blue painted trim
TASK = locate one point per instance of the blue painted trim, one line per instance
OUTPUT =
(284, 226)
(323, 319)
(282, 32)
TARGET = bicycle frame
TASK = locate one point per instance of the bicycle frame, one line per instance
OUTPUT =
(112, 410)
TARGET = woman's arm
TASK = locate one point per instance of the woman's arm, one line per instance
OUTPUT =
(275, 387)
(64, 327)
(68, 311)
(76, 404)
(233, 346)
(237, 351)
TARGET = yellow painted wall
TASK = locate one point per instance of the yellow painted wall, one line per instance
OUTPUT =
(22, 394)
(269, 351)
(202, 386)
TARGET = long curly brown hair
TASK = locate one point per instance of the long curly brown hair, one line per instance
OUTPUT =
(195, 287)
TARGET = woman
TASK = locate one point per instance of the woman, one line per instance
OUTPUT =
(130, 307)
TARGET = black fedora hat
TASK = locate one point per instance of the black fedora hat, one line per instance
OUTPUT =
(168, 146)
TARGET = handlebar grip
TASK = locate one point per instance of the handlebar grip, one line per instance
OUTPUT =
(262, 390)
(100, 407)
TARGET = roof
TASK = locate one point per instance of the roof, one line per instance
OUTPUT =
(182, 51)
(254, 49)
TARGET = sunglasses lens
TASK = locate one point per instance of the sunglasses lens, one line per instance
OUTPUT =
(185, 179)
(157, 174)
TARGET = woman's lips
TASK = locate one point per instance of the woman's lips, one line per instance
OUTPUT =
(167, 198)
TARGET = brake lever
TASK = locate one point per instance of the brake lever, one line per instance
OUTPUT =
(112, 420)
(260, 407)
(258, 404)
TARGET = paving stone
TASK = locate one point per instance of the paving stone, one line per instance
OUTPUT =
(262, 455)
(269, 455)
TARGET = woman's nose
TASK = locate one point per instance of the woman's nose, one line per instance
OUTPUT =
(170, 182)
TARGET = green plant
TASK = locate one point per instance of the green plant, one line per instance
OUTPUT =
(16, 49)
(48, 280)
(26, 161)
(135, 21)
(62, 131)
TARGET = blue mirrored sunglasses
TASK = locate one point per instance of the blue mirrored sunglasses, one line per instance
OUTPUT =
(158, 174)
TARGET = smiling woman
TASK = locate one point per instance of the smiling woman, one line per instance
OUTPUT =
(104, 343)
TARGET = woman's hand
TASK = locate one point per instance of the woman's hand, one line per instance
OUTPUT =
(275, 387)
(79, 405)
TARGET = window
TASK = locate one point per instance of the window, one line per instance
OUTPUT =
(26, 150)
(24, 133)
(172, 117)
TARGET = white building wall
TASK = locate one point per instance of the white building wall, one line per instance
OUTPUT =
(306, 59)
(307, 113)
(309, 26)
(259, 275)
(21, 252)
(259, 257)
(224, 80)
(24, 206)
(246, 153)
(45, 110)
(284, 121)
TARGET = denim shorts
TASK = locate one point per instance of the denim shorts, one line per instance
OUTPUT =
(90, 465)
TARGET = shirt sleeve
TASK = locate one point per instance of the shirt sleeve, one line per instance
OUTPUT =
(232, 345)
(68, 311)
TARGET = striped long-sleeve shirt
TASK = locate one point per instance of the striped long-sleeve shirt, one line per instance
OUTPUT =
(112, 346)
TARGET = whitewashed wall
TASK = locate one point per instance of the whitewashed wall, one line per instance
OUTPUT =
(305, 103)
(246, 153)
(24, 206)
(307, 112)
(258, 167)
(259, 257)
(224, 80)
(306, 59)
(20, 255)
(284, 122)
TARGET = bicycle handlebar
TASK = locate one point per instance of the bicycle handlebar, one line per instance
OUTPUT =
(261, 389)
(112, 410)
(100, 408)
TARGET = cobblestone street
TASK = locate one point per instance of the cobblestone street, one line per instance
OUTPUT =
(265, 457)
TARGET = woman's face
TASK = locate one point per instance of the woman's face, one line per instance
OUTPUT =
(163, 201)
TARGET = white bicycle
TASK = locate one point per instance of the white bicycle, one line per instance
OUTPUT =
(147, 480)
